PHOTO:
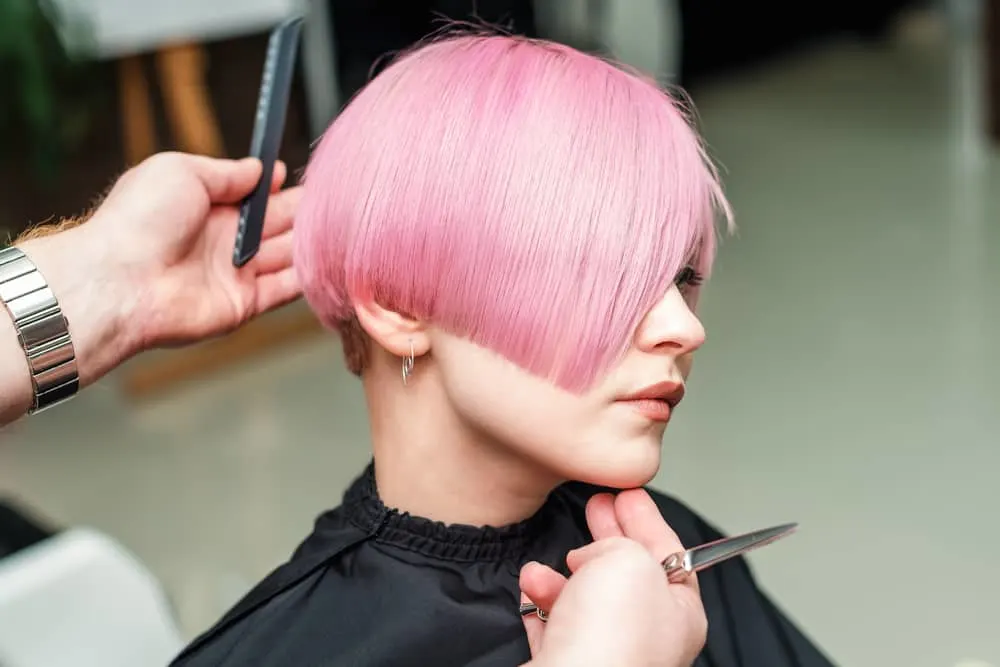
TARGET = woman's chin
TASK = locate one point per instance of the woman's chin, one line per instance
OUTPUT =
(623, 472)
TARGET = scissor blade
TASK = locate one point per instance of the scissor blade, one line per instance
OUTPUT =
(713, 553)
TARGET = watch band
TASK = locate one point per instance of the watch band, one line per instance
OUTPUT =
(41, 328)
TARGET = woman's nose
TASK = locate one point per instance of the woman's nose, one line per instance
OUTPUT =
(671, 326)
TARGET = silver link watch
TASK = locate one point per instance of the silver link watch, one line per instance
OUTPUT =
(41, 328)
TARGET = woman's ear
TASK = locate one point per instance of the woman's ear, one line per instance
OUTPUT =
(396, 333)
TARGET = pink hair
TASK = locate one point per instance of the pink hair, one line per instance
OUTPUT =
(534, 199)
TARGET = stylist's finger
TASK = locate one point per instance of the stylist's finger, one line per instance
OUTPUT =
(279, 175)
(641, 521)
(534, 628)
(540, 585)
(225, 181)
(275, 254)
(276, 289)
(601, 518)
(577, 558)
(281, 210)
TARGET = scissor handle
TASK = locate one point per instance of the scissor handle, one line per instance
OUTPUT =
(677, 566)
(527, 608)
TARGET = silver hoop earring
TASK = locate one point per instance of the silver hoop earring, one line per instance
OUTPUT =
(408, 365)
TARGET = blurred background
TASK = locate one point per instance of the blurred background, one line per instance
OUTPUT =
(850, 381)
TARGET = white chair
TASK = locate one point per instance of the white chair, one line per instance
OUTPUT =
(80, 599)
(121, 29)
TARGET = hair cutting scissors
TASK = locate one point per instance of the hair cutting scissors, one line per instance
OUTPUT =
(683, 563)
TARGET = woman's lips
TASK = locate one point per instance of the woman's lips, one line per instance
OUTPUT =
(654, 409)
(655, 401)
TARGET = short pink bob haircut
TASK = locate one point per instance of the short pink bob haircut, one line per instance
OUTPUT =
(529, 197)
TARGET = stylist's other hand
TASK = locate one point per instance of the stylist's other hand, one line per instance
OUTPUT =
(153, 265)
(617, 608)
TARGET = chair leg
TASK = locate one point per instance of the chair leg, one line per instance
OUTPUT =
(188, 101)
(138, 125)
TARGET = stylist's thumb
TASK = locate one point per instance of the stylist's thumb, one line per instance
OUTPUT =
(229, 181)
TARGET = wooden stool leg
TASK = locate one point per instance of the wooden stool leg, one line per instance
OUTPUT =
(138, 125)
(188, 102)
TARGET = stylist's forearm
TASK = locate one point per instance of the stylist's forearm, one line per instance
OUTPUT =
(93, 300)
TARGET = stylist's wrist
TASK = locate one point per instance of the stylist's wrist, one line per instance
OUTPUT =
(96, 296)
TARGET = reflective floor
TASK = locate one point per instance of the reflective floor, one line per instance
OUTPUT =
(850, 383)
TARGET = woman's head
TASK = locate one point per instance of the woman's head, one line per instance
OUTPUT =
(515, 211)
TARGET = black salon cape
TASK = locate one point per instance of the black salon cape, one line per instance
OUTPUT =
(375, 587)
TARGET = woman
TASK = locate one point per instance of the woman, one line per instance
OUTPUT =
(617, 602)
(510, 236)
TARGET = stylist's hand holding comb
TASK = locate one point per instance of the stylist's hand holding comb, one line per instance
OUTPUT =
(154, 260)
(617, 608)
(152, 266)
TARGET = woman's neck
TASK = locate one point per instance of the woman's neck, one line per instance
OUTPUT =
(431, 465)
